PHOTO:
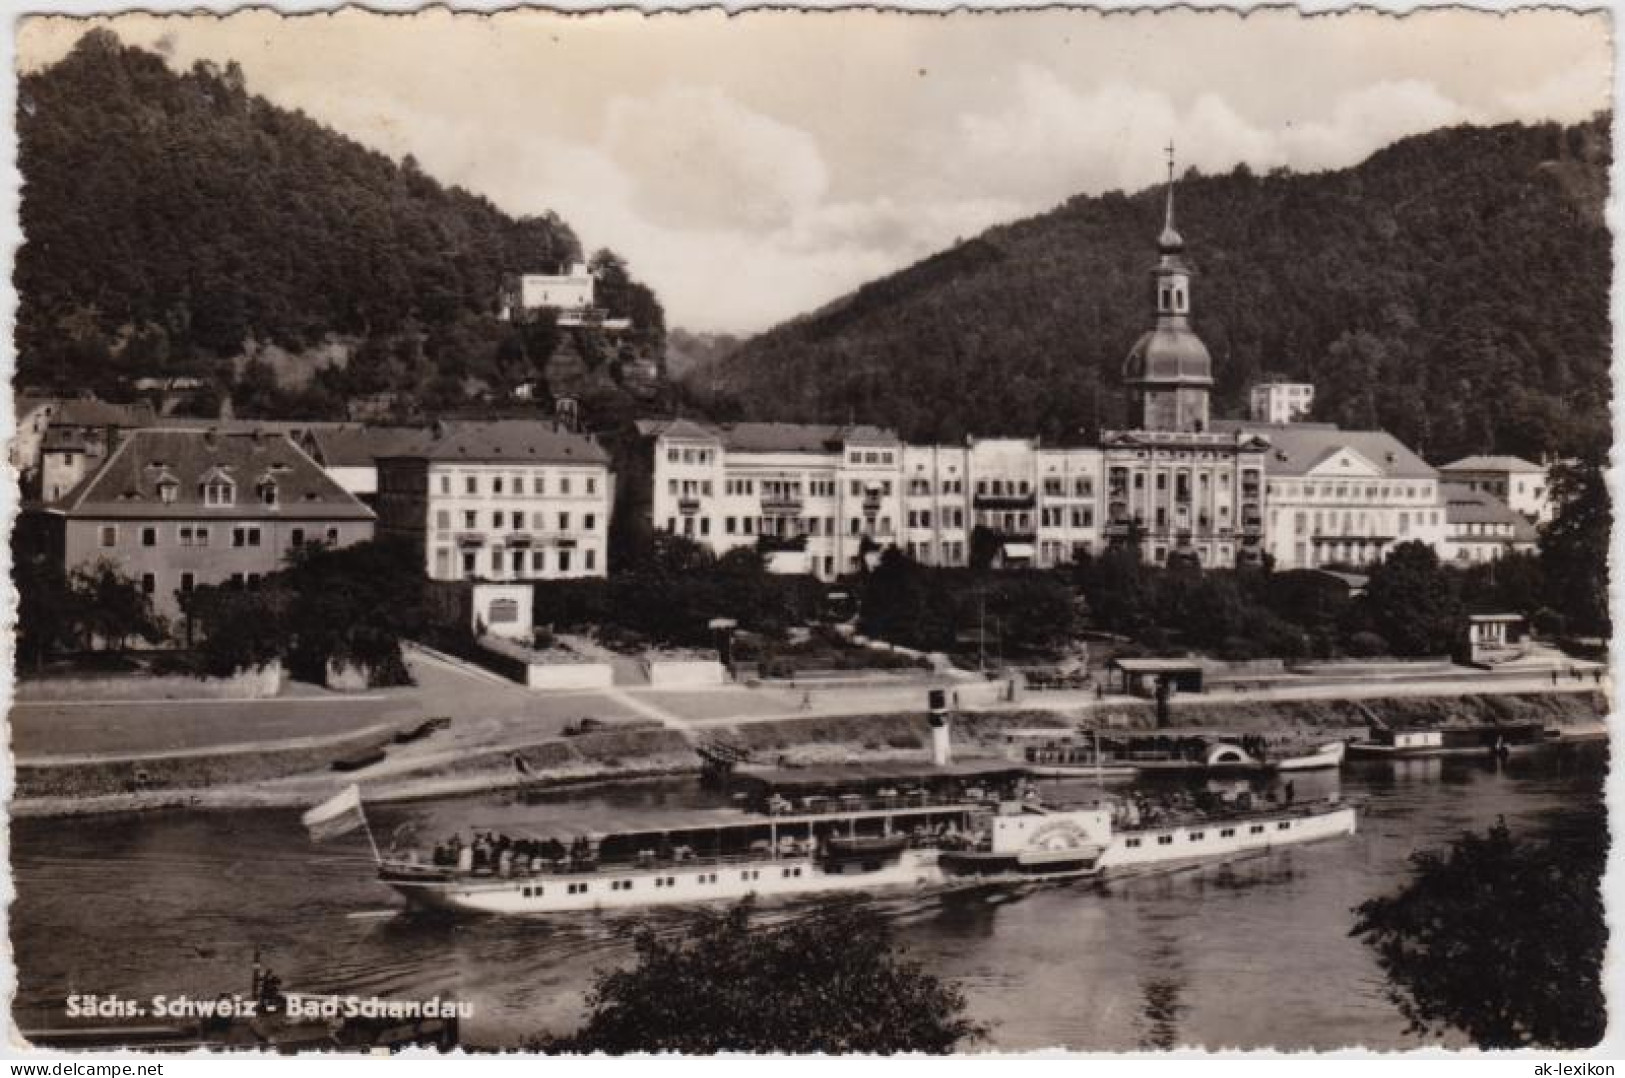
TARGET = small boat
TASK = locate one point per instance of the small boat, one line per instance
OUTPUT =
(1388, 742)
(1329, 755)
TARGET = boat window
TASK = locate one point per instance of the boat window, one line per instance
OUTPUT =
(1256, 829)
(1197, 836)
(1227, 832)
(1283, 825)
(1132, 843)
(1165, 840)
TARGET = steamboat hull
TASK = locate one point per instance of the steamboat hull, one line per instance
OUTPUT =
(674, 886)
(1219, 839)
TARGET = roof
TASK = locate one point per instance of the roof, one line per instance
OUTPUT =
(505, 440)
(1156, 666)
(126, 486)
(356, 445)
(829, 776)
(1491, 464)
(773, 437)
(1297, 448)
(1171, 353)
(90, 412)
(1464, 505)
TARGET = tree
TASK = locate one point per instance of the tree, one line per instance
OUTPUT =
(45, 607)
(1500, 938)
(1574, 543)
(110, 607)
(832, 981)
(1412, 602)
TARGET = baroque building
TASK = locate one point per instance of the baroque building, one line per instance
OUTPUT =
(1175, 488)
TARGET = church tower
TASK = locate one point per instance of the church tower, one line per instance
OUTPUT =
(1169, 372)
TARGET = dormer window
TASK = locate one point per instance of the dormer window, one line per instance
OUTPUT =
(217, 489)
(267, 490)
(168, 489)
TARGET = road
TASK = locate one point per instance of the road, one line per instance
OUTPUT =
(488, 711)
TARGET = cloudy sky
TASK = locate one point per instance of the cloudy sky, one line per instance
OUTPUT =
(755, 166)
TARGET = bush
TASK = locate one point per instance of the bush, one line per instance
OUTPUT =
(1366, 645)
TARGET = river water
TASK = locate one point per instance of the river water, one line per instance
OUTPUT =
(1250, 954)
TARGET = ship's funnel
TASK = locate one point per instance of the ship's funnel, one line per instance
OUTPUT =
(942, 752)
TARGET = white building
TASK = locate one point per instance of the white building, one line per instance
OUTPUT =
(1342, 497)
(572, 294)
(1520, 485)
(500, 500)
(1280, 402)
(1479, 527)
(817, 499)
(813, 498)
(1174, 487)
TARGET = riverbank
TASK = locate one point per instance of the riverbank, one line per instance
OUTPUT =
(299, 773)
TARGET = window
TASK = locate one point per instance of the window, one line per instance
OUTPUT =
(496, 561)
(1132, 843)
(268, 492)
(442, 519)
(298, 537)
(470, 519)
(1256, 829)
(538, 561)
(589, 522)
(564, 484)
(332, 537)
(218, 490)
(1227, 832)
(591, 557)
(149, 583)
(1165, 840)
(168, 490)
(498, 518)
(188, 581)
(564, 561)
(1197, 836)
(445, 484)
(1283, 825)
(496, 484)
(592, 485)
(245, 537)
(149, 536)
(564, 522)
(471, 484)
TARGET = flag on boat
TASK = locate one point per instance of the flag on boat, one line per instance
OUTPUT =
(338, 815)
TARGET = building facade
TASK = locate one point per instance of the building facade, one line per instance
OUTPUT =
(1481, 528)
(1280, 402)
(1343, 498)
(1519, 484)
(502, 500)
(572, 295)
(819, 499)
(179, 509)
(1174, 487)
(79, 435)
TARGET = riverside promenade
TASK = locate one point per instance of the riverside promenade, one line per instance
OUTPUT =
(491, 716)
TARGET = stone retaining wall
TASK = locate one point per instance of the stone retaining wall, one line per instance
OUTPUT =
(246, 685)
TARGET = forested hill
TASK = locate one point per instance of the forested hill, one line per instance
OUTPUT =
(171, 218)
(1452, 288)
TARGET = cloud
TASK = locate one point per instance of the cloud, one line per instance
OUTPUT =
(703, 159)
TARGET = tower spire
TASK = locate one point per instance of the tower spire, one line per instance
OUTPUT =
(1170, 241)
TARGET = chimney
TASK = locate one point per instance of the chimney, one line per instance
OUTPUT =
(942, 752)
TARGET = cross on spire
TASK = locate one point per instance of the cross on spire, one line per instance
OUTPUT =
(1170, 240)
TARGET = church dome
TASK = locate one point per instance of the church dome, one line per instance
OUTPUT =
(1170, 354)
